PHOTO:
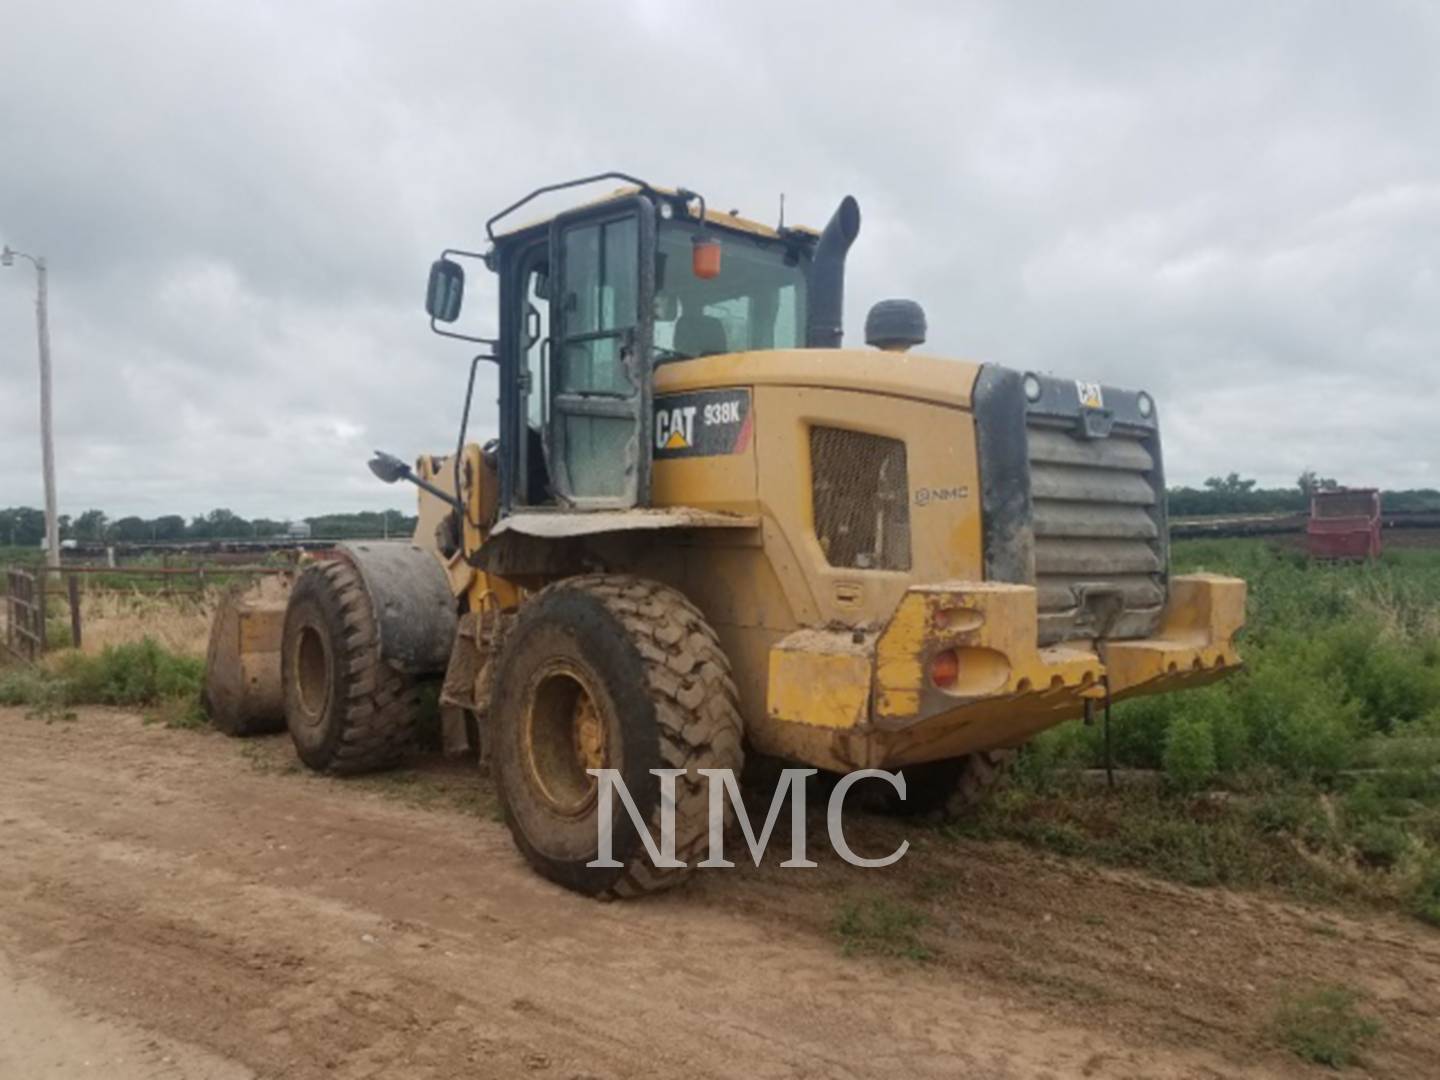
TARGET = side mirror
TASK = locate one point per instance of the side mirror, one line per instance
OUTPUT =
(387, 467)
(445, 291)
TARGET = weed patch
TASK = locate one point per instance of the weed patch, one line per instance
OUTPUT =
(1422, 897)
(1325, 749)
(1324, 1026)
(881, 927)
(140, 673)
(183, 713)
(136, 675)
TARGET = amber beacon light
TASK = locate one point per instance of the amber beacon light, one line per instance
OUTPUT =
(705, 256)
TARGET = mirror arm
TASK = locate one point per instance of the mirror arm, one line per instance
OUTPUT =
(440, 493)
(492, 342)
(382, 464)
(460, 444)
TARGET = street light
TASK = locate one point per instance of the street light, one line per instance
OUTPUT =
(47, 441)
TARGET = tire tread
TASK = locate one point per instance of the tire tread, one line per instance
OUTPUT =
(696, 708)
(378, 704)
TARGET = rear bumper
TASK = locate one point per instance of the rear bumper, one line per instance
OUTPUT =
(870, 702)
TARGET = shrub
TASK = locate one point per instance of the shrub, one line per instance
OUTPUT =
(1299, 720)
(135, 674)
(1389, 679)
(1137, 735)
(1410, 758)
(1380, 844)
(21, 686)
(1284, 812)
(1363, 804)
(141, 673)
(1189, 756)
(1324, 1026)
(46, 698)
(1228, 732)
(1422, 898)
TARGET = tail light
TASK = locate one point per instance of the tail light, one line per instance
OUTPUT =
(945, 668)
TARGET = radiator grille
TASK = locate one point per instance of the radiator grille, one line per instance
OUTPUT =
(860, 494)
(1099, 548)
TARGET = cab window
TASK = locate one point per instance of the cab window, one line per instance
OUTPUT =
(598, 317)
(600, 303)
(757, 301)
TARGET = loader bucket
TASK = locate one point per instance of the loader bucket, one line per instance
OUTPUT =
(243, 694)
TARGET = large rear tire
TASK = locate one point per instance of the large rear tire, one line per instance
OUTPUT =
(347, 710)
(610, 672)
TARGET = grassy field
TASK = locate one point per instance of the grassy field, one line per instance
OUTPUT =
(1315, 771)
(119, 607)
(20, 556)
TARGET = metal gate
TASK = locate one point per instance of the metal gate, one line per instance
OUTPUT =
(24, 614)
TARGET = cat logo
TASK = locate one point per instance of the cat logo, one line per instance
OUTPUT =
(706, 423)
(675, 428)
(1090, 394)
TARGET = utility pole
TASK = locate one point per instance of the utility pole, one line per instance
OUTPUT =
(47, 438)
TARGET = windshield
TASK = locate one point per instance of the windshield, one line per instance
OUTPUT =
(757, 301)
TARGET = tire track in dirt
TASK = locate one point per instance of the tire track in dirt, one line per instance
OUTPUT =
(301, 926)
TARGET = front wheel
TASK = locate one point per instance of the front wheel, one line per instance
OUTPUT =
(348, 711)
(610, 672)
(950, 787)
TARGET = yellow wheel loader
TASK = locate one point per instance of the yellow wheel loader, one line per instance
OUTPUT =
(706, 530)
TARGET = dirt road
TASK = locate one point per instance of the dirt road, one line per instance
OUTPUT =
(175, 904)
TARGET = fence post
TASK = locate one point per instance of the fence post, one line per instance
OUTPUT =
(72, 586)
(43, 577)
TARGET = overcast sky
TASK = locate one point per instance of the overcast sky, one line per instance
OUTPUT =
(1234, 206)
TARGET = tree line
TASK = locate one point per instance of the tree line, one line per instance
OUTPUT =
(1234, 494)
(24, 526)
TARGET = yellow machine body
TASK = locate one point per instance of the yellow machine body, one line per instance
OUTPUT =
(834, 663)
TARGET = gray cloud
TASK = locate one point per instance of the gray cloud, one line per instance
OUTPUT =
(1236, 206)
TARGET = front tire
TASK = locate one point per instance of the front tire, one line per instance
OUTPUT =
(949, 788)
(347, 710)
(612, 672)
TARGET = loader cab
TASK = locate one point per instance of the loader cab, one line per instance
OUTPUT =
(590, 302)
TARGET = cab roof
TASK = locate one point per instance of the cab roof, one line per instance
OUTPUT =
(717, 218)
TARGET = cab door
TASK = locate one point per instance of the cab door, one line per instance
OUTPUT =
(602, 324)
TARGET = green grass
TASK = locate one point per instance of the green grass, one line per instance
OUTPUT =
(21, 556)
(138, 675)
(1324, 1026)
(1325, 750)
(881, 927)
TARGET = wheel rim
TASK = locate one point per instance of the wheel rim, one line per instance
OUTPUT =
(312, 674)
(565, 733)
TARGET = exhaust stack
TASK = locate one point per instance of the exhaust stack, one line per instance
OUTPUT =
(825, 326)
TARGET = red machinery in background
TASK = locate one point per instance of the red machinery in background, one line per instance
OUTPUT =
(1344, 524)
